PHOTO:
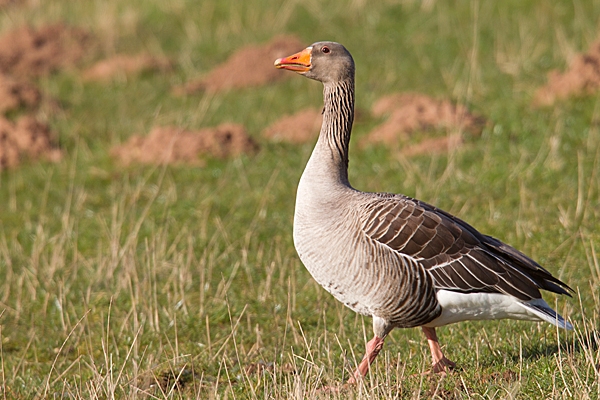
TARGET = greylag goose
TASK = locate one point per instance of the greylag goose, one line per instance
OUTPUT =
(399, 260)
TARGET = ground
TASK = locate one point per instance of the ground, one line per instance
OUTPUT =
(149, 157)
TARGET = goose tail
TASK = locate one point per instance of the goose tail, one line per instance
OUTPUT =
(541, 309)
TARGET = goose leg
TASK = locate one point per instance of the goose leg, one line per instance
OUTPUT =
(440, 363)
(373, 348)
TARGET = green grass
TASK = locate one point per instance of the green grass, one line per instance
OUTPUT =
(112, 278)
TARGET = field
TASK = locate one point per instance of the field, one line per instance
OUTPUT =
(181, 281)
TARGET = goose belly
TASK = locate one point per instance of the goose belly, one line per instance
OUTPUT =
(457, 307)
(363, 275)
(336, 274)
(369, 281)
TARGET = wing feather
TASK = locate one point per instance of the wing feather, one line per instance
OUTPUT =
(458, 257)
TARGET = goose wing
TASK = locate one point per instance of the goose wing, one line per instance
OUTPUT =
(458, 256)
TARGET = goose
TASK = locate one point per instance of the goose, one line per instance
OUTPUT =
(399, 260)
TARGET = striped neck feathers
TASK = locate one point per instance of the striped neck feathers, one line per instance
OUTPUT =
(338, 115)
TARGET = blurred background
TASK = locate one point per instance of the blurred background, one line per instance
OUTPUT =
(149, 155)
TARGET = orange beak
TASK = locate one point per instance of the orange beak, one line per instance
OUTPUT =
(299, 62)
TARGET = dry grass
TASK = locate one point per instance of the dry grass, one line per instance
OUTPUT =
(182, 282)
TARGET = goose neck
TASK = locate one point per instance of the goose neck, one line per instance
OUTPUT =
(338, 115)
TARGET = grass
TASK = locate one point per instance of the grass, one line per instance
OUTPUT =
(181, 282)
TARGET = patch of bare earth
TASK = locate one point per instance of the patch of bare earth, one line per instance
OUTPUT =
(31, 52)
(185, 381)
(581, 78)
(126, 65)
(437, 145)
(300, 127)
(249, 66)
(26, 139)
(173, 145)
(16, 93)
(413, 112)
(10, 3)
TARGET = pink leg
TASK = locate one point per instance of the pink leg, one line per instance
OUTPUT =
(373, 348)
(440, 363)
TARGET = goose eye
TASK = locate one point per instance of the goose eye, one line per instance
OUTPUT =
(325, 50)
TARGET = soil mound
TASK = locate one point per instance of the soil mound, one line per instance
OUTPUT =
(300, 127)
(29, 52)
(9, 3)
(122, 64)
(437, 145)
(16, 93)
(173, 145)
(413, 112)
(250, 66)
(582, 77)
(26, 139)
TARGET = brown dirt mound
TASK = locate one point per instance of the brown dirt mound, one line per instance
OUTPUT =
(173, 145)
(26, 139)
(126, 65)
(16, 93)
(438, 145)
(300, 127)
(411, 112)
(29, 52)
(249, 66)
(582, 77)
(9, 3)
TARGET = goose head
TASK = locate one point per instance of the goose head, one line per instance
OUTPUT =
(327, 62)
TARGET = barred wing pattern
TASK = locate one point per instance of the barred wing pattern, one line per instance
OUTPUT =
(458, 257)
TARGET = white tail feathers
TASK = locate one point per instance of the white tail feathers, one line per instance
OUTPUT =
(540, 308)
